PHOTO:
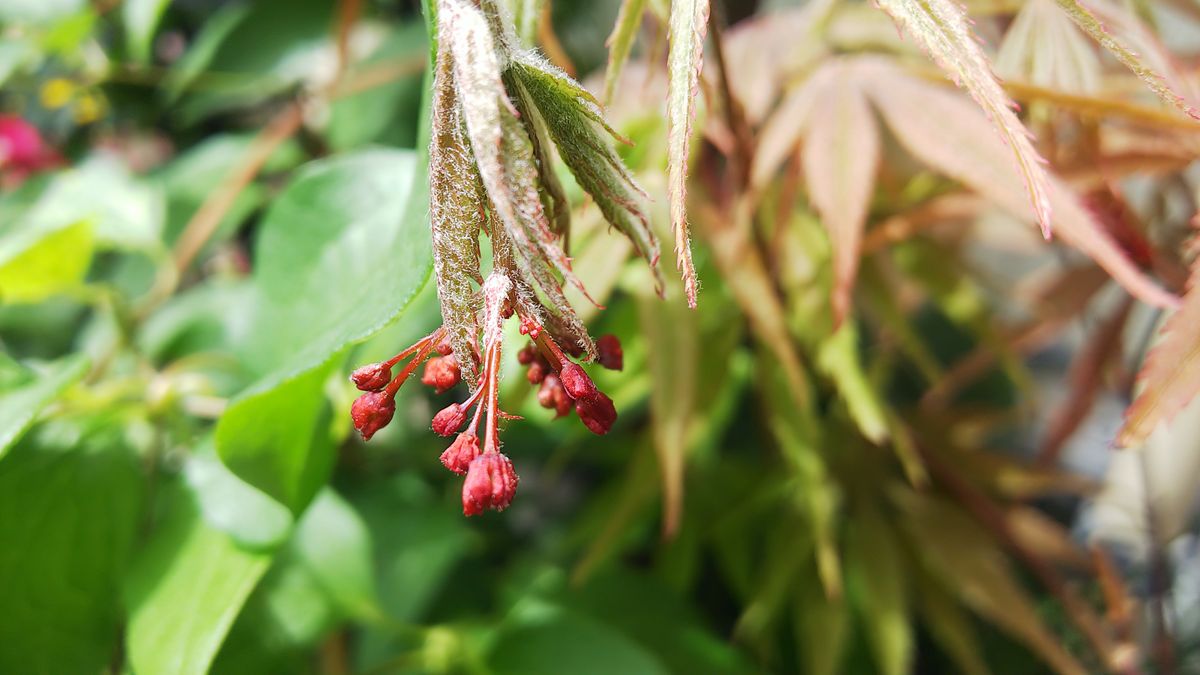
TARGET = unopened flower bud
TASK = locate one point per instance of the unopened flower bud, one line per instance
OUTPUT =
(610, 355)
(576, 382)
(553, 397)
(491, 483)
(449, 419)
(537, 371)
(597, 412)
(461, 453)
(371, 377)
(371, 412)
(441, 373)
(526, 355)
(444, 347)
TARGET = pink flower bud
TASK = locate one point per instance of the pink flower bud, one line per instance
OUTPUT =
(576, 382)
(597, 413)
(444, 347)
(553, 397)
(491, 483)
(371, 377)
(461, 453)
(449, 419)
(371, 412)
(611, 355)
(441, 373)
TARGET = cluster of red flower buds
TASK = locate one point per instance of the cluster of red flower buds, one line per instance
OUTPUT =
(490, 480)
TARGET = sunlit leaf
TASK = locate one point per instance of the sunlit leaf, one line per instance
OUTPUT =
(141, 19)
(942, 28)
(957, 142)
(629, 19)
(838, 359)
(688, 26)
(46, 263)
(1114, 36)
(841, 156)
(1170, 378)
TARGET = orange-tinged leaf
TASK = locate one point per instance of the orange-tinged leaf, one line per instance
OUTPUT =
(1170, 378)
(841, 156)
(688, 26)
(942, 28)
(957, 142)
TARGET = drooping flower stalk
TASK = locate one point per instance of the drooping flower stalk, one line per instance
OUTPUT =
(497, 111)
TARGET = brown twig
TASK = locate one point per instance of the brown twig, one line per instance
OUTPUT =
(550, 44)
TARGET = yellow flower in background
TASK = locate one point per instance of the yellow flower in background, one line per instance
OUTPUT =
(88, 109)
(57, 92)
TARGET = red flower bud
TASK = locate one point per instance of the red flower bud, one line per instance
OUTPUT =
(444, 347)
(461, 453)
(371, 412)
(597, 413)
(526, 355)
(371, 377)
(576, 382)
(449, 419)
(611, 355)
(441, 373)
(537, 371)
(491, 483)
(552, 396)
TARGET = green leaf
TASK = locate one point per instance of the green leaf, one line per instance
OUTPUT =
(629, 19)
(543, 639)
(33, 267)
(821, 627)
(19, 405)
(688, 25)
(67, 519)
(228, 504)
(185, 591)
(202, 49)
(350, 237)
(332, 542)
(942, 28)
(141, 19)
(276, 440)
(878, 568)
(838, 358)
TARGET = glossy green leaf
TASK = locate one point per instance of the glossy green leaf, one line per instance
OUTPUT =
(69, 509)
(185, 591)
(349, 237)
(20, 404)
(333, 544)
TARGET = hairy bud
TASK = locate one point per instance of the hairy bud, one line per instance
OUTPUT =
(537, 371)
(461, 453)
(449, 419)
(371, 377)
(371, 412)
(491, 483)
(441, 373)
